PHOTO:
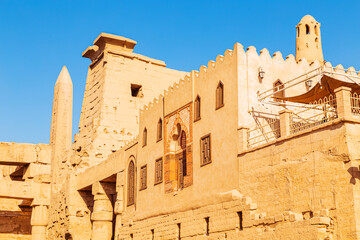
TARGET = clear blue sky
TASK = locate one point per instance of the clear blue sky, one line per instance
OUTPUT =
(39, 37)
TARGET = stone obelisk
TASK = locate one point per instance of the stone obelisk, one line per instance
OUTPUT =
(61, 123)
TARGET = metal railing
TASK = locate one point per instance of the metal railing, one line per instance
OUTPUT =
(353, 76)
(317, 113)
(265, 133)
(355, 104)
(295, 81)
(304, 116)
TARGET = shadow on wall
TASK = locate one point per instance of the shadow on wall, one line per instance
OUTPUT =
(355, 173)
(15, 222)
(68, 236)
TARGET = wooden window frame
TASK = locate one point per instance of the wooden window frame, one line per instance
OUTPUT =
(219, 105)
(156, 181)
(143, 186)
(197, 111)
(159, 132)
(131, 201)
(144, 140)
(202, 163)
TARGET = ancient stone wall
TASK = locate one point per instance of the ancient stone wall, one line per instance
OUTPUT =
(119, 83)
(237, 218)
(308, 172)
(14, 220)
(283, 191)
(21, 165)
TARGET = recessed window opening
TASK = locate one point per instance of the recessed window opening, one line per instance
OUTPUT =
(298, 31)
(136, 90)
(131, 236)
(240, 216)
(179, 231)
(183, 146)
(159, 130)
(307, 29)
(152, 234)
(197, 108)
(143, 177)
(279, 91)
(205, 150)
(316, 30)
(158, 171)
(220, 95)
(131, 183)
(145, 137)
(207, 221)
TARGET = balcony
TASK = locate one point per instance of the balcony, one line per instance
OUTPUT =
(343, 104)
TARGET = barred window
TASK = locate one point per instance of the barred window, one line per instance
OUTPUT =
(131, 184)
(143, 177)
(159, 130)
(158, 171)
(205, 150)
(220, 95)
(197, 109)
(144, 137)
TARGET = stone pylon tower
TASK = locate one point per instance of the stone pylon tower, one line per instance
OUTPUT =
(308, 40)
(61, 121)
(119, 83)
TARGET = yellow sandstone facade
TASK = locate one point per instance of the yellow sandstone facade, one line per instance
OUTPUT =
(251, 146)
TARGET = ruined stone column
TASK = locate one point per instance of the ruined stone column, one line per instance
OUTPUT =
(39, 220)
(102, 214)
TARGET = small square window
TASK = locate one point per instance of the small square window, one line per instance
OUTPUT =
(136, 91)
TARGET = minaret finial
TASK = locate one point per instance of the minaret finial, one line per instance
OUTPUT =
(308, 40)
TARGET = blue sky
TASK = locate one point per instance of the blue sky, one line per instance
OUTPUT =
(39, 37)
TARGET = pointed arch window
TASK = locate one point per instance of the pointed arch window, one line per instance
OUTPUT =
(316, 30)
(144, 137)
(159, 130)
(197, 109)
(220, 95)
(131, 184)
(279, 91)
